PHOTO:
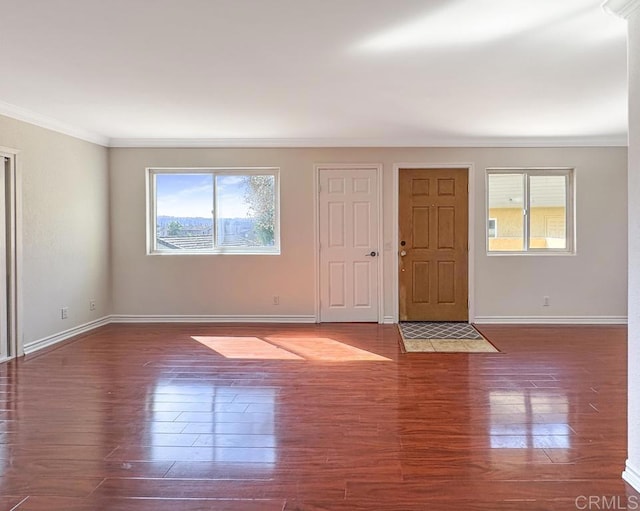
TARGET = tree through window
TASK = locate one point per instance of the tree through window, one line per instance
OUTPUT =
(214, 210)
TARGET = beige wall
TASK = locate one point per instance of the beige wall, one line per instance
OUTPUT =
(65, 230)
(591, 283)
(68, 196)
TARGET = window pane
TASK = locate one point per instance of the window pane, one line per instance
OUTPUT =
(548, 212)
(245, 207)
(184, 204)
(506, 202)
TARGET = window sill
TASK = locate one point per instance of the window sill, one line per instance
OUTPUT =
(216, 253)
(532, 254)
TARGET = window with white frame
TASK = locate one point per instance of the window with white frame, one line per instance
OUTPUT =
(534, 208)
(213, 211)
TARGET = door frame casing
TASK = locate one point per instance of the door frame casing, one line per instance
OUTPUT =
(317, 168)
(396, 229)
(14, 221)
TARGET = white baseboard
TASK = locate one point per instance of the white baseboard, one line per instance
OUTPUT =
(126, 318)
(631, 475)
(552, 320)
(50, 340)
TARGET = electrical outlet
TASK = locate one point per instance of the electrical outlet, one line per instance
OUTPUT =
(545, 301)
(64, 313)
(92, 305)
(276, 300)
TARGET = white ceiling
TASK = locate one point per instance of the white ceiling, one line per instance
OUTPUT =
(317, 72)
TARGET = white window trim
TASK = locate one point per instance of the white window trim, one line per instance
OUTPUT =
(527, 172)
(151, 243)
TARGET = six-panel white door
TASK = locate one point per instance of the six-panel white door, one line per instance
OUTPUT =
(348, 245)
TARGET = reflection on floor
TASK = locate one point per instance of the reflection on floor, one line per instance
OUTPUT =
(313, 417)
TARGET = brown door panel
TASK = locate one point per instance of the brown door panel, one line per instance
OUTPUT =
(434, 226)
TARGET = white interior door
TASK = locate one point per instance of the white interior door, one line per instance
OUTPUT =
(349, 251)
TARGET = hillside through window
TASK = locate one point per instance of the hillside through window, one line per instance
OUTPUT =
(214, 211)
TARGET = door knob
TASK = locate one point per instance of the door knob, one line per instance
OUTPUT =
(373, 253)
(403, 253)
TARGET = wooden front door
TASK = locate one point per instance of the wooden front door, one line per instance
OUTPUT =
(433, 269)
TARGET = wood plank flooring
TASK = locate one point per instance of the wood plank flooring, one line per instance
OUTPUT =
(314, 418)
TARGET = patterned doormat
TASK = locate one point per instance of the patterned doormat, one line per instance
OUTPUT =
(443, 337)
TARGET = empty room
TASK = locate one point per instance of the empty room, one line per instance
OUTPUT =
(303, 255)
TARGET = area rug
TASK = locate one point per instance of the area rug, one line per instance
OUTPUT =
(443, 337)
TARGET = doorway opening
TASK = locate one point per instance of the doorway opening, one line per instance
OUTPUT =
(434, 239)
(9, 314)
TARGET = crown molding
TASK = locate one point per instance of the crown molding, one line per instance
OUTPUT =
(621, 8)
(42, 121)
(613, 141)
(22, 114)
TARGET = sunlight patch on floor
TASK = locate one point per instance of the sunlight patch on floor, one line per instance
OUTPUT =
(246, 347)
(322, 349)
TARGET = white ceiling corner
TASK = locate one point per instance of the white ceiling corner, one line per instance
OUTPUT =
(621, 8)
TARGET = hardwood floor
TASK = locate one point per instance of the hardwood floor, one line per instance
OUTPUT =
(314, 417)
